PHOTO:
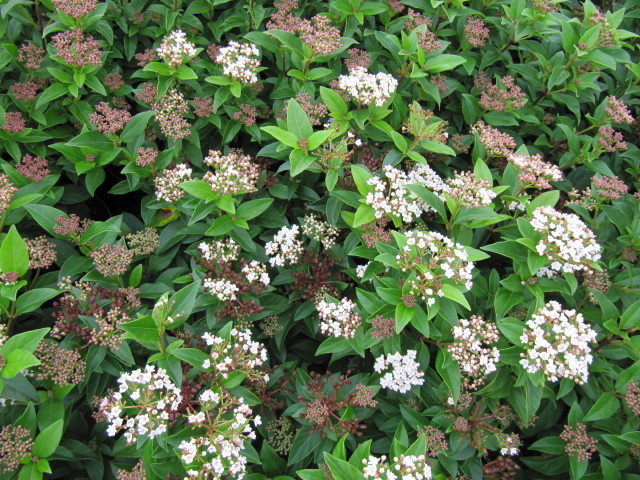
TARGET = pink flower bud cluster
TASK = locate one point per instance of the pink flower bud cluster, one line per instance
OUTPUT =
(246, 115)
(367, 88)
(632, 397)
(58, 365)
(113, 81)
(240, 61)
(285, 248)
(203, 107)
(141, 405)
(338, 319)
(15, 444)
(234, 173)
(597, 280)
(546, 6)
(146, 156)
(319, 230)
(505, 95)
(31, 56)
(436, 441)
(319, 34)
(470, 190)
(71, 226)
(535, 172)
(169, 112)
(382, 327)
(610, 140)
(391, 197)
(109, 120)
(145, 57)
(557, 343)
(618, 111)
(75, 8)
(496, 143)
(472, 348)
(435, 259)
(7, 189)
(476, 32)
(175, 48)
(439, 81)
(426, 38)
(357, 59)
(14, 123)
(74, 48)
(167, 184)
(137, 473)
(34, 168)
(607, 35)
(401, 371)
(610, 187)
(567, 242)
(315, 111)
(42, 252)
(112, 260)
(405, 467)
(147, 93)
(24, 91)
(579, 444)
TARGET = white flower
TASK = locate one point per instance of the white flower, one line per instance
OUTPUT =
(367, 88)
(404, 372)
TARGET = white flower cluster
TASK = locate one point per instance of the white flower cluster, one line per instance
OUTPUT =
(406, 467)
(285, 248)
(144, 399)
(338, 319)
(404, 371)
(360, 269)
(568, 244)
(256, 271)
(175, 47)
(221, 288)
(367, 88)
(434, 259)
(471, 348)
(220, 251)
(391, 197)
(239, 353)
(319, 231)
(168, 182)
(239, 61)
(218, 453)
(557, 342)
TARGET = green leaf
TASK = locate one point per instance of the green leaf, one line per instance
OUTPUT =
(300, 161)
(361, 176)
(29, 301)
(453, 293)
(134, 130)
(17, 361)
(184, 300)
(253, 208)
(25, 340)
(342, 470)
(144, 330)
(449, 371)
(54, 91)
(304, 444)
(192, 356)
(318, 138)
(605, 407)
(337, 106)
(283, 136)
(48, 440)
(44, 215)
(443, 62)
(92, 139)
(199, 189)
(220, 226)
(14, 256)
(297, 120)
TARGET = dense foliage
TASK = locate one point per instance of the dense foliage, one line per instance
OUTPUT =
(337, 240)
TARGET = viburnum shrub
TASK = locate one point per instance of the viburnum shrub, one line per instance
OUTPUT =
(340, 240)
